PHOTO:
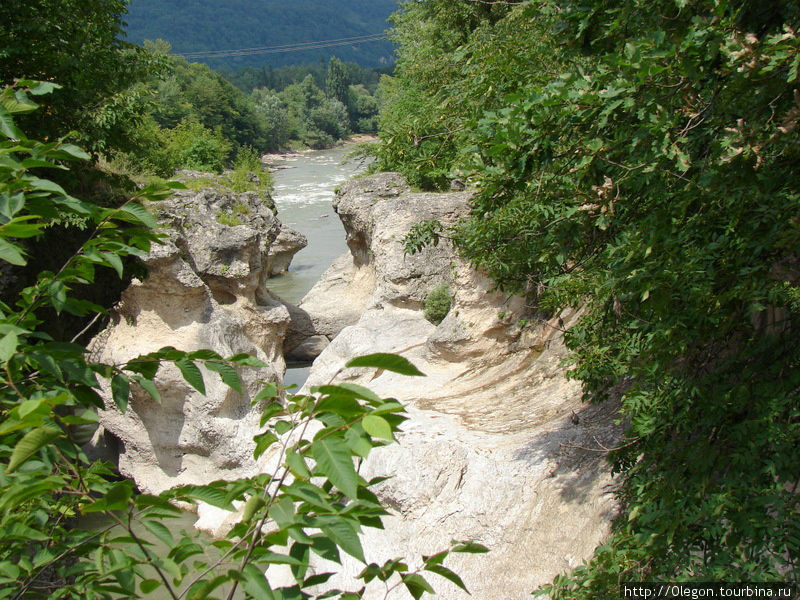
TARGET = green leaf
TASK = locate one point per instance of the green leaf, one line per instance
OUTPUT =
(255, 583)
(227, 373)
(149, 585)
(270, 390)
(377, 427)
(263, 442)
(246, 360)
(202, 588)
(18, 228)
(45, 185)
(137, 213)
(436, 559)
(11, 253)
(283, 427)
(416, 585)
(311, 494)
(58, 295)
(345, 537)
(191, 373)
(209, 495)
(282, 512)
(31, 443)
(388, 362)
(113, 260)
(361, 392)
(443, 571)
(297, 465)
(469, 547)
(8, 346)
(40, 88)
(274, 408)
(7, 126)
(204, 354)
(333, 459)
(346, 406)
(120, 391)
(161, 531)
(148, 386)
(358, 441)
(115, 499)
(70, 151)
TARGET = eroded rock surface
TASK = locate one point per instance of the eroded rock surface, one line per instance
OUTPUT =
(204, 290)
(499, 448)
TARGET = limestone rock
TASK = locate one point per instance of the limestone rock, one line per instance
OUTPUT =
(376, 212)
(204, 290)
(491, 452)
(288, 243)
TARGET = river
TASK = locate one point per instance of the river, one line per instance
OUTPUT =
(304, 191)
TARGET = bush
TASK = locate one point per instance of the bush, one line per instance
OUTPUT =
(249, 173)
(437, 303)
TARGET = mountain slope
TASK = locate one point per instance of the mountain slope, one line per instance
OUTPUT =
(209, 25)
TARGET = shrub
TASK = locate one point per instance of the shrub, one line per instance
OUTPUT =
(229, 219)
(437, 303)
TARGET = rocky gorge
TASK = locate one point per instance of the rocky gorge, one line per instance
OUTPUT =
(499, 448)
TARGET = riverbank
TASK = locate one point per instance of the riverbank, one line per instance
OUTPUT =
(274, 160)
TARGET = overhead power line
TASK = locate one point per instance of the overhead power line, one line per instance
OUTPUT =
(375, 37)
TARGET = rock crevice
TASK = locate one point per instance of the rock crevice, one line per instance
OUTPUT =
(495, 449)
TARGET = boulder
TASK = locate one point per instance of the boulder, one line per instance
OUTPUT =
(288, 243)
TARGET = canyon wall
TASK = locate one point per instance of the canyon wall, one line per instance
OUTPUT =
(499, 448)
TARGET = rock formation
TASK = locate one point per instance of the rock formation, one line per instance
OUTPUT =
(499, 448)
(204, 289)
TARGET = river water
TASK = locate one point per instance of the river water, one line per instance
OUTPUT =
(304, 192)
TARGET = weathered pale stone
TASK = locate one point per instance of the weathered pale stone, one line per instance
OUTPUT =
(288, 243)
(204, 290)
(495, 449)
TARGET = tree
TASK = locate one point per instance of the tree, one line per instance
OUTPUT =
(455, 60)
(78, 45)
(272, 109)
(336, 81)
(314, 502)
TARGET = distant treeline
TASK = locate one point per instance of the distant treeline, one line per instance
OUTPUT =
(279, 78)
(197, 119)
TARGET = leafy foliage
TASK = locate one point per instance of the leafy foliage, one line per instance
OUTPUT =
(437, 303)
(455, 60)
(313, 502)
(77, 45)
(649, 179)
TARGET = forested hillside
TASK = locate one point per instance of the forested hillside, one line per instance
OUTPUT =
(638, 159)
(206, 25)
